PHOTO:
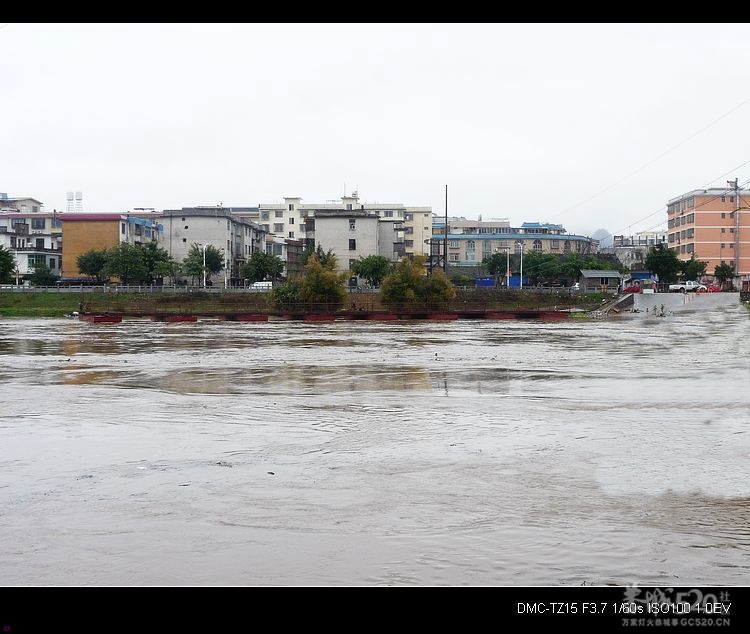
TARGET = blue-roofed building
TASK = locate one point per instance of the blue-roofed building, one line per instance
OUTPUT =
(470, 241)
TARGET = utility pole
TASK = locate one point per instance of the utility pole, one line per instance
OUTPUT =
(736, 226)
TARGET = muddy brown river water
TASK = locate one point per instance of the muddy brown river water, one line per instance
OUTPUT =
(605, 451)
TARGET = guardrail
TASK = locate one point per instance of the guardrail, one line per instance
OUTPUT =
(120, 288)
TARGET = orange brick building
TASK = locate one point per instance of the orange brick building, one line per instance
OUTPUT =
(714, 226)
(82, 232)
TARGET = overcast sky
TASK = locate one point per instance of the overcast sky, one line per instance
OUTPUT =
(587, 125)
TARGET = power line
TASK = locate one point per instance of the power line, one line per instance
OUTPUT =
(725, 190)
(661, 209)
(662, 155)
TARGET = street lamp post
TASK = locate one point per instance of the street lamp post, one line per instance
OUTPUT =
(507, 267)
(520, 245)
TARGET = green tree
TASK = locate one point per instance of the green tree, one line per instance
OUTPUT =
(541, 267)
(692, 269)
(321, 286)
(154, 257)
(92, 263)
(192, 265)
(322, 256)
(127, 262)
(169, 269)
(497, 264)
(372, 268)
(571, 266)
(723, 274)
(262, 266)
(663, 262)
(42, 275)
(407, 286)
(287, 296)
(7, 265)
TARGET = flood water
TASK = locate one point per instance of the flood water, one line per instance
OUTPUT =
(606, 451)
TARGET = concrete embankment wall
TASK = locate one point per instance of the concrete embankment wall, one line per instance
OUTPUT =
(683, 301)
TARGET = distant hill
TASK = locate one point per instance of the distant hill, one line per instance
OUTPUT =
(604, 237)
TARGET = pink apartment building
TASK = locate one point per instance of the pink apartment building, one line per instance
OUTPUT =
(714, 226)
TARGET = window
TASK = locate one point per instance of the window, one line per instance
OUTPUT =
(348, 206)
(731, 229)
(723, 246)
(186, 227)
(264, 215)
(352, 224)
(690, 218)
(453, 244)
(34, 209)
(409, 243)
(723, 199)
(409, 231)
(291, 234)
(351, 263)
(56, 223)
(731, 199)
(690, 248)
(731, 245)
(555, 244)
(291, 221)
(39, 243)
(291, 207)
(723, 215)
(184, 239)
(731, 215)
(453, 257)
(266, 228)
(723, 230)
(122, 228)
(37, 223)
(388, 213)
(409, 217)
(538, 246)
(471, 254)
(352, 245)
(278, 227)
(279, 213)
(52, 263)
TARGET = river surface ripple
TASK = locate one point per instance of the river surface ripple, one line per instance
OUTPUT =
(611, 451)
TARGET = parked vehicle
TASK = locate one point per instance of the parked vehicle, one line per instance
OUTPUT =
(260, 287)
(690, 286)
(635, 288)
(75, 281)
(713, 288)
(576, 287)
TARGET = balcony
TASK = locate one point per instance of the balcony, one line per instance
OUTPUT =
(35, 250)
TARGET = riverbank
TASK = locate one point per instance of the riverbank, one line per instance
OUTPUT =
(53, 303)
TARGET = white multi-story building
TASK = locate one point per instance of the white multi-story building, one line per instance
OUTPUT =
(237, 236)
(294, 219)
(352, 234)
(32, 235)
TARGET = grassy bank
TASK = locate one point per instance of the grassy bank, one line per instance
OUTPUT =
(23, 304)
(58, 304)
